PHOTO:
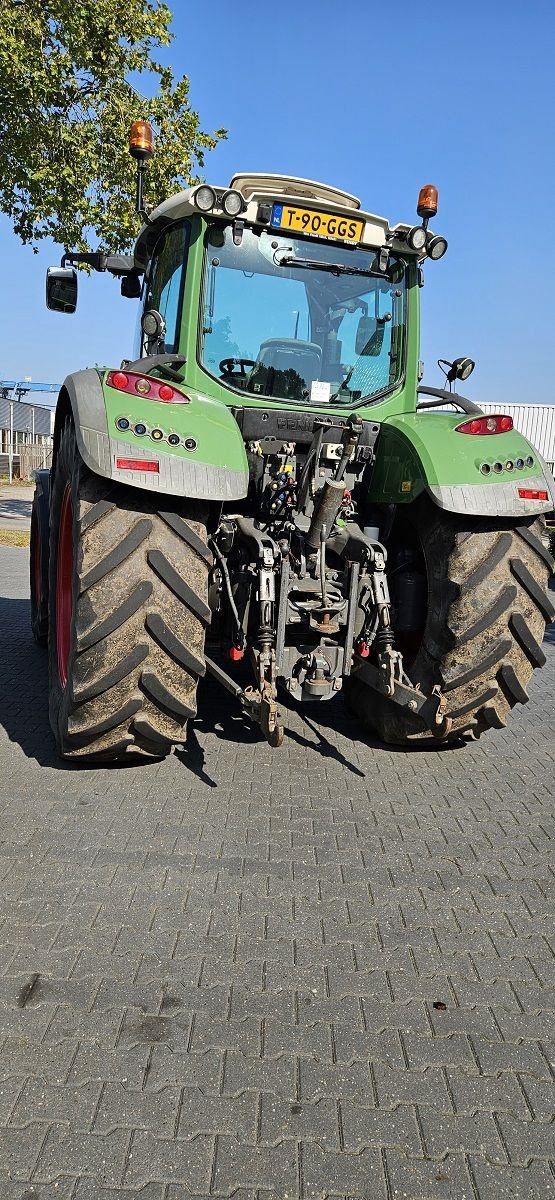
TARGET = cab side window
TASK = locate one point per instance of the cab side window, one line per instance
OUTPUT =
(164, 287)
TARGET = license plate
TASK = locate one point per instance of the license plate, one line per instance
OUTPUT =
(316, 223)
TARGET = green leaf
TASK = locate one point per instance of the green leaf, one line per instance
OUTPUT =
(68, 96)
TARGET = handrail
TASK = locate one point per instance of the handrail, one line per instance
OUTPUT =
(445, 397)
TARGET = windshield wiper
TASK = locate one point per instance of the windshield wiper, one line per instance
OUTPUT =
(313, 264)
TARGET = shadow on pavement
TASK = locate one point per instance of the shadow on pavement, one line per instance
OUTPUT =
(24, 685)
(11, 508)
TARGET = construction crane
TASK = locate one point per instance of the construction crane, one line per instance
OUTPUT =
(14, 389)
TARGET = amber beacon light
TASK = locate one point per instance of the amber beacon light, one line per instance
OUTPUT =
(141, 147)
(141, 140)
(427, 201)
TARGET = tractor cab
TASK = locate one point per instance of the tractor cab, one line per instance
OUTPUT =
(282, 290)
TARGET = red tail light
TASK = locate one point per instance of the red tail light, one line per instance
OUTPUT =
(137, 464)
(532, 494)
(147, 386)
(118, 380)
(497, 423)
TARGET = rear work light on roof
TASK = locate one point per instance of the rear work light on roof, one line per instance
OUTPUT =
(532, 494)
(146, 386)
(497, 423)
(138, 464)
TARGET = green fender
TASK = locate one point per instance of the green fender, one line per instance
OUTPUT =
(423, 452)
(209, 461)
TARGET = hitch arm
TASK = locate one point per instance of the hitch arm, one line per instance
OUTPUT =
(260, 706)
(430, 709)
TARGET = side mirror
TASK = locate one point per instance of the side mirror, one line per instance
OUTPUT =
(61, 289)
(369, 337)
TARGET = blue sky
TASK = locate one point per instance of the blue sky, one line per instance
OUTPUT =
(377, 99)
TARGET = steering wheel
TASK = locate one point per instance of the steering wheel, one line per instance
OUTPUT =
(227, 365)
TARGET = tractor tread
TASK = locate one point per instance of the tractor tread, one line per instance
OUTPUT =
(488, 564)
(95, 512)
(492, 717)
(526, 640)
(541, 600)
(184, 531)
(474, 704)
(117, 554)
(536, 544)
(480, 666)
(151, 737)
(503, 602)
(167, 640)
(178, 586)
(509, 679)
(97, 633)
(99, 686)
(165, 699)
(81, 735)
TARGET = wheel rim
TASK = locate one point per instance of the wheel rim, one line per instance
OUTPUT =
(64, 586)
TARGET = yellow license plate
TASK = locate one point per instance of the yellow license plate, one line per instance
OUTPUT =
(316, 223)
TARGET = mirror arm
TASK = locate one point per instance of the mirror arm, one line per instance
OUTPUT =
(119, 265)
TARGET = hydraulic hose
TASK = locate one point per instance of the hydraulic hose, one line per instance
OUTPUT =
(326, 509)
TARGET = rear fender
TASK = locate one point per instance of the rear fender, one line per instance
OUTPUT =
(212, 466)
(422, 452)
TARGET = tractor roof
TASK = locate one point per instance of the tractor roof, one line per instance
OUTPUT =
(258, 188)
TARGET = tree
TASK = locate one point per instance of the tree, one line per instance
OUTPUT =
(70, 74)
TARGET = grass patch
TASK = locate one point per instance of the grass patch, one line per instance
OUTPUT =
(14, 537)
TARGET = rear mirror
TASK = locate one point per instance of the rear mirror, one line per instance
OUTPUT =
(369, 337)
(61, 289)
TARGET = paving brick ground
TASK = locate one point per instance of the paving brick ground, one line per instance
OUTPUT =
(16, 502)
(321, 971)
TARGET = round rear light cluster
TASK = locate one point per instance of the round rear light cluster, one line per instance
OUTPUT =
(145, 385)
(479, 426)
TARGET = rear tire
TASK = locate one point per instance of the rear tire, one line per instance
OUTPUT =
(487, 610)
(128, 611)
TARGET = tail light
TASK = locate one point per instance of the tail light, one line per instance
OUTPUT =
(498, 423)
(532, 494)
(138, 464)
(146, 386)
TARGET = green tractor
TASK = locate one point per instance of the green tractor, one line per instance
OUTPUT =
(266, 492)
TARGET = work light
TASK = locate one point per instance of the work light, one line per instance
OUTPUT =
(204, 198)
(233, 203)
(416, 237)
(436, 246)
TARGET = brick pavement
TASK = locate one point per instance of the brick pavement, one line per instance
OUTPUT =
(16, 502)
(320, 971)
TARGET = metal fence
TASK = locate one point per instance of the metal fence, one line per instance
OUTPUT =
(32, 457)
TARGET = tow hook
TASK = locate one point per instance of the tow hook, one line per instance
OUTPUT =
(259, 705)
(262, 708)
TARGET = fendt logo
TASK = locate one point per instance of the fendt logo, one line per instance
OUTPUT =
(303, 423)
